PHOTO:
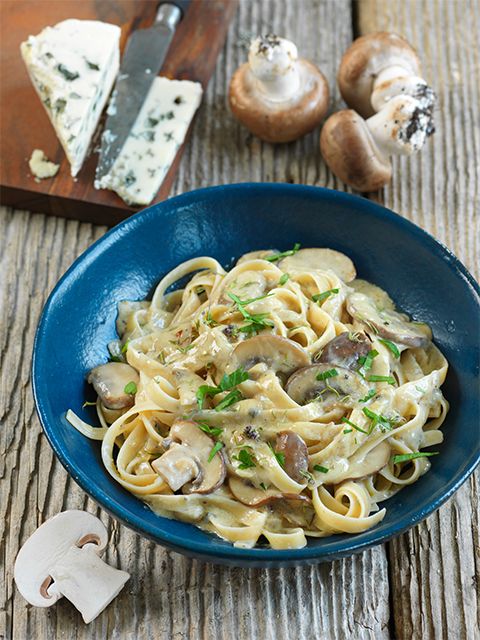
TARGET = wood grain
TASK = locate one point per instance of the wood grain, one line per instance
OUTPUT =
(421, 586)
(192, 55)
(434, 568)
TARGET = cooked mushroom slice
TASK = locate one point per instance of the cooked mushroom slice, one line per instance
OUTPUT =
(322, 260)
(345, 350)
(371, 462)
(248, 494)
(296, 455)
(380, 297)
(198, 447)
(343, 387)
(280, 354)
(109, 381)
(255, 255)
(178, 465)
(388, 324)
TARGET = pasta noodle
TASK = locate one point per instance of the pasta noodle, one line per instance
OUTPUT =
(282, 399)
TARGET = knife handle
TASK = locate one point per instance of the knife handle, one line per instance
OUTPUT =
(170, 13)
(182, 5)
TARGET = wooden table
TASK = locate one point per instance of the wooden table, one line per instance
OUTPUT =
(421, 585)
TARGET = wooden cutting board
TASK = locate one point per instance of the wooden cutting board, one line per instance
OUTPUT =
(24, 124)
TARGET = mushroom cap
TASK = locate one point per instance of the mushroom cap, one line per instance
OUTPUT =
(296, 454)
(279, 121)
(109, 381)
(344, 388)
(46, 545)
(350, 151)
(365, 59)
(279, 354)
(345, 349)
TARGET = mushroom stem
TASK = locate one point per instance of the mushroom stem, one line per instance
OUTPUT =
(401, 126)
(273, 63)
(396, 81)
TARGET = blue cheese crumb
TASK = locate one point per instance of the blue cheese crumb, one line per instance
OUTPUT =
(151, 147)
(41, 167)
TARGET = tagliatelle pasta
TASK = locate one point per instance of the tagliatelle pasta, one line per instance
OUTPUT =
(276, 401)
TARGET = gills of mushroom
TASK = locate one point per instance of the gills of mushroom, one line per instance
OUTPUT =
(62, 558)
(379, 78)
(358, 151)
(278, 96)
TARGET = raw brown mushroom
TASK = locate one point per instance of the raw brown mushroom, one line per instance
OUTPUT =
(276, 95)
(190, 461)
(296, 455)
(345, 350)
(387, 323)
(378, 77)
(279, 354)
(109, 381)
(344, 387)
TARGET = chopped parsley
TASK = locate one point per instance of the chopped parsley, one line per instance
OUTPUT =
(255, 322)
(383, 423)
(320, 297)
(284, 279)
(389, 379)
(230, 398)
(324, 375)
(369, 396)
(318, 467)
(130, 388)
(211, 431)
(366, 362)
(307, 475)
(355, 426)
(245, 459)
(392, 346)
(208, 320)
(215, 449)
(283, 254)
(345, 431)
(280, 457)
(405, 457)
(125, 346)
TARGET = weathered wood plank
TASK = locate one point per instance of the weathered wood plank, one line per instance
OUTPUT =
(171, 597)
(434, 567)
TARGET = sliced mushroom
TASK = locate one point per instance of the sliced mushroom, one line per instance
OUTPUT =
(380, 297)
(255, 255)
(279, 354)
(345, 350)
(388, 324)
(248, 494)
(109, 381)
(320, 260)
(178, 466)
(343, 388)
(296, 455)
(196, 443)
(371, 462)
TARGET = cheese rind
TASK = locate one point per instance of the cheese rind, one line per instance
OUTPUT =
(151, 147)
(72, 66)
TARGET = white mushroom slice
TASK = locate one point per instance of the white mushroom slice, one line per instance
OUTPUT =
(61, 558)
(345, 350)
(109, 381)
(255, 255)
(248, 494)
(212, 470)
(291, 445)
(320, 260)
(388, 324)
(279, 354)
(177, 466)
(380, 297)
(344, 387)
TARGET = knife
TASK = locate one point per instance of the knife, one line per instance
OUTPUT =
(142, 60)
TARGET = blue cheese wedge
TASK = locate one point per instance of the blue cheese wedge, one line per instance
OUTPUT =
(73, 66)
(158, 132)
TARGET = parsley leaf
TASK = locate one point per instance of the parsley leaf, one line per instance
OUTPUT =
(320, 297)
(130, 388)
(382, 422)
(245, 459)
(230, 398)
(278, 256)
(284, 279)
(392, 346)
(215, 449)
(231, 380)
(212, 431)
(389, 379)
(278, 455)
(352, 424)
(368, 397)
(404, 457)
(227, 382)
(324, 375)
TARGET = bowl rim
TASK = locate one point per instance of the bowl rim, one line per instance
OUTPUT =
(204, 549)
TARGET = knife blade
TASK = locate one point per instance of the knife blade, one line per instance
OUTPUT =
(142, 60)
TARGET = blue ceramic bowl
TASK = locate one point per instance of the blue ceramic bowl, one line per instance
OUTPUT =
(421, 275)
